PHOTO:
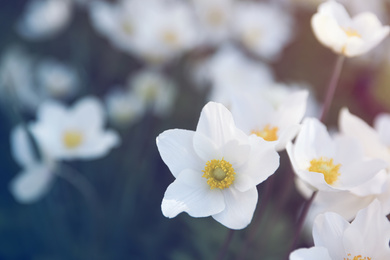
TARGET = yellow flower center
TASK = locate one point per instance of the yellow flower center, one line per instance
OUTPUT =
(358, 257)
(327, 168)
(251, 37)
(127, 28)
(268, 133)
(170, 37)
(215, 17)
(219, 174)
(72, 139)
(351, 32)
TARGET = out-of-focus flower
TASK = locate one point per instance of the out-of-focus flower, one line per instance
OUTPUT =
(335, 29)
(230, 72)
(367, 237)
(73, 133)
(262, 28)
(270, 114)
(36, 177)
(217, 168)
(156, 31)
(156, 92)
(57, 80)
(330, 164)
(123, 107)
(215, 19)
(16, 80)
(44, 18)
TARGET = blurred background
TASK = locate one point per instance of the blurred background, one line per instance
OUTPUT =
(153, 65)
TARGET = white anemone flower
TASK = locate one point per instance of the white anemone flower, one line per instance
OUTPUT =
(154, 90)
(348, 36)
(262, 28)
(56, 79)
(215, 19)
(217, 168)
(123, 108)
(230, 72)
(74, 133)
(272, 117)
(367, 237)
(330, 164)
(36, 177)
(45, 18)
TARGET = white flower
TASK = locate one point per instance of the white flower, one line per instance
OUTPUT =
(71, 133)
(217, 168)
(335, 29)
(215, 18)
(263, 28)
(56, 79)
(155, 31)
(269, 114)
(330, 164)
(123, 108)
(36, 177)
(16, 79)
(45, 18)
(367, 237)
(230, 72)
(155, 91)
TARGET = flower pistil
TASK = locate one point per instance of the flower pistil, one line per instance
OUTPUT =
(219, 174)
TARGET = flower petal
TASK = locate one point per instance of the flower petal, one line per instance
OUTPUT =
(197, 201)
(177, 151)
(318, 253)
(239, 208)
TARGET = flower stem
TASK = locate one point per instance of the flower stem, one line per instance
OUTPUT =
(332, 87)
(225, 246)
(301, 220)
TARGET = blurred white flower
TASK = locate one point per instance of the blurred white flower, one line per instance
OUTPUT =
(57, 80)
(230, 72)
(155, 31)
(44, 18)
(156, 92)
(330, 164)
(74, 133)
(123, 107)
(217, 168)
(262, 28)
(348, 36)
(16, 79)
(270, 113)
(215, 19)
(367, 237)
(36, 177)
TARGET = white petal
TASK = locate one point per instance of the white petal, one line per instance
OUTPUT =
(98, 147)
(88, 113)
(376, 185)
(239, 208)
(206, 148)
(32, 184)
(317, 253)
(197, 201)
(216, 122)
(328, 232)
(51, 112)
(263, 161)
(382, 125)
(177, 151)
(235, 153)
(286, 135)
(369, 233)
(21, 148)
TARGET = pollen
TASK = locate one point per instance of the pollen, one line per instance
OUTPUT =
(358, 257)
(72, 139)
(170, 37)
(351, 32)
(268, 133)
(219, 174)
(327, 168)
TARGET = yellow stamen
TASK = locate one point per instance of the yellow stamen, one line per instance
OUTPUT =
(170, 37)
(351, 32)
(72, 139)
(219, 174)
(358, 257)
(251, 37)
(268, 133)
(128, 28)
(327, 168)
